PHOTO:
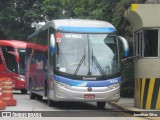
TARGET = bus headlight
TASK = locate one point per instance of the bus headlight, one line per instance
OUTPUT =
(19, 78)
(60, 84)
(114, 86)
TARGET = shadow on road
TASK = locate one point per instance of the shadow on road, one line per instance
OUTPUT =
(74, 105)
(66, 109)
(67, 105)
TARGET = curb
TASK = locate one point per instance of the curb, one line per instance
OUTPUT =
(121, 107)
(130, 110)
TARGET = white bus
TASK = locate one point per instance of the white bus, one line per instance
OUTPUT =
(74, 60)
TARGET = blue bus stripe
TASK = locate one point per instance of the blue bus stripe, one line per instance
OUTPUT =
(87, 29)
(85, 83)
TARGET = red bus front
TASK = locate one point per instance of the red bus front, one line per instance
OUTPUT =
(13, 64)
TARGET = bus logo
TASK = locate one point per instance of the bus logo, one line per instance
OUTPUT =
(89, 78)
(89, 89)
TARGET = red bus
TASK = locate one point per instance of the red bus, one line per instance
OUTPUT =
(12, 62)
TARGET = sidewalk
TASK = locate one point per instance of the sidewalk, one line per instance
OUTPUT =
(127, 104)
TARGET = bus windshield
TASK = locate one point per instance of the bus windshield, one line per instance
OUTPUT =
(86, 54)
(10, 59)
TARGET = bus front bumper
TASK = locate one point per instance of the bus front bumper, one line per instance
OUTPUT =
(87, 94)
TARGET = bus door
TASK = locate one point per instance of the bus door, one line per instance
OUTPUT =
(40, 72)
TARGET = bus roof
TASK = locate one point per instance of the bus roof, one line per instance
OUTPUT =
(13, 43)
(78, 25)
(37, 47)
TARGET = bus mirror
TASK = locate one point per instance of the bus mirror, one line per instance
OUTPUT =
(52, 44)
(125, 45)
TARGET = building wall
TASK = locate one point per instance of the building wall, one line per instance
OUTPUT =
(147, 68)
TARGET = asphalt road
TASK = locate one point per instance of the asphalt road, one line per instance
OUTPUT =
(24, 103)
(28, 108)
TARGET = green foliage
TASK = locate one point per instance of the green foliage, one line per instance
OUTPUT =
(7, 17)
(16, 17)
(127, 71)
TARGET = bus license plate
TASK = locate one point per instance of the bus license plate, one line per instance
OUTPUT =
(89, 96)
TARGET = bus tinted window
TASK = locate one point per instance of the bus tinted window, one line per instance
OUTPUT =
(10, 59)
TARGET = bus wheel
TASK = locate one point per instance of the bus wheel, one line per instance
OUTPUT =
(50, 102)
(101, 105)
(32, 95)
(46, 89)
(39, 97)
(24, 91)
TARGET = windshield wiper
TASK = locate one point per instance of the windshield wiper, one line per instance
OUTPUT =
(97, 64)
(80, 63)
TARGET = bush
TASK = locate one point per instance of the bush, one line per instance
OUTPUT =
(127, 73)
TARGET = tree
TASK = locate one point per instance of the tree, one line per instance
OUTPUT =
(7, 18)
(17, 17)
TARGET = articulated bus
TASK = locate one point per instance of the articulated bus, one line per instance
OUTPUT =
(74, 60)
(12, 56)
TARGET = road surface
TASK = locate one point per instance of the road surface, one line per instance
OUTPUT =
(39, 108)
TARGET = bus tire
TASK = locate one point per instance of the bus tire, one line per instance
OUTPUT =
(101, 105)
(50, 102)
(32, 95)
(46, 89)
(24, 91)
(39, 97)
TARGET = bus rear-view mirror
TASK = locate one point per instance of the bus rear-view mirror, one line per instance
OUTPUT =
(125, 45)
(52, 44)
